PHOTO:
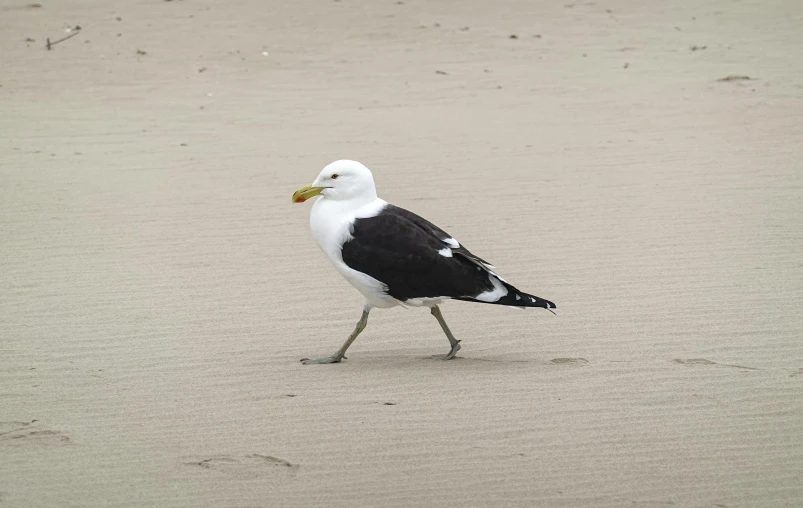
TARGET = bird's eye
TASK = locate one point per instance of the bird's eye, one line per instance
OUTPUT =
(335, 176)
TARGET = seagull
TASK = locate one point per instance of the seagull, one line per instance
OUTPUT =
(394, 257)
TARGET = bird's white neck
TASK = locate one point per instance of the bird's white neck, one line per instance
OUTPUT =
(330, 220)
(343, 207)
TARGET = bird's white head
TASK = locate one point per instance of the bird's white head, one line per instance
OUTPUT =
(341, 180)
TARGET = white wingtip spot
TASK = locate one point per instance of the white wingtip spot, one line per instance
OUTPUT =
(445, 252)
(518, 297)
(533, 299)
(451, 242)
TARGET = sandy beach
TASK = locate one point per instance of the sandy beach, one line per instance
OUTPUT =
(638, 163)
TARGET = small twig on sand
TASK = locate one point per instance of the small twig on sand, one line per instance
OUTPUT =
(51, 44)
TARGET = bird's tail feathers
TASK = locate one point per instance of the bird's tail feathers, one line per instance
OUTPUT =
(516, 298)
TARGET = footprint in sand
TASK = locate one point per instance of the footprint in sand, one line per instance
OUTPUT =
(703, 361)
(16, 433)
(693, 361)
(563, 361)
(244, 466)
(8, 427)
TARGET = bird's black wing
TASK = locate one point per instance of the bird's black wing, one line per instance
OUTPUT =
(403, 251)
(438, 233)
(406, 253)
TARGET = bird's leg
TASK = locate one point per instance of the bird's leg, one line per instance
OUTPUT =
(435, 311)
(341, 353)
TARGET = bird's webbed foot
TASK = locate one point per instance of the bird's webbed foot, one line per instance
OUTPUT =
(451, 354)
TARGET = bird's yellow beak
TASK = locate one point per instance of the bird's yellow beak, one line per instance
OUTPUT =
(306, 192)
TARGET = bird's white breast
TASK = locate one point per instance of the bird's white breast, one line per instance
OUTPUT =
(331, 222)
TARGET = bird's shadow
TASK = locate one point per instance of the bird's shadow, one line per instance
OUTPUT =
(536, 361)
(404, 361)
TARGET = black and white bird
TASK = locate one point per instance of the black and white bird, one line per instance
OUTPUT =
(393, 256)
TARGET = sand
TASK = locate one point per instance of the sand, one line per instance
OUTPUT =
(158, 288)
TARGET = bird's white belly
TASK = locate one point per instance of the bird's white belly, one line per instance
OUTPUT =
(426, 301)
(374, 291)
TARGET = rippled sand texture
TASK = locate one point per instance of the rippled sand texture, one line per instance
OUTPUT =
(638, 163)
